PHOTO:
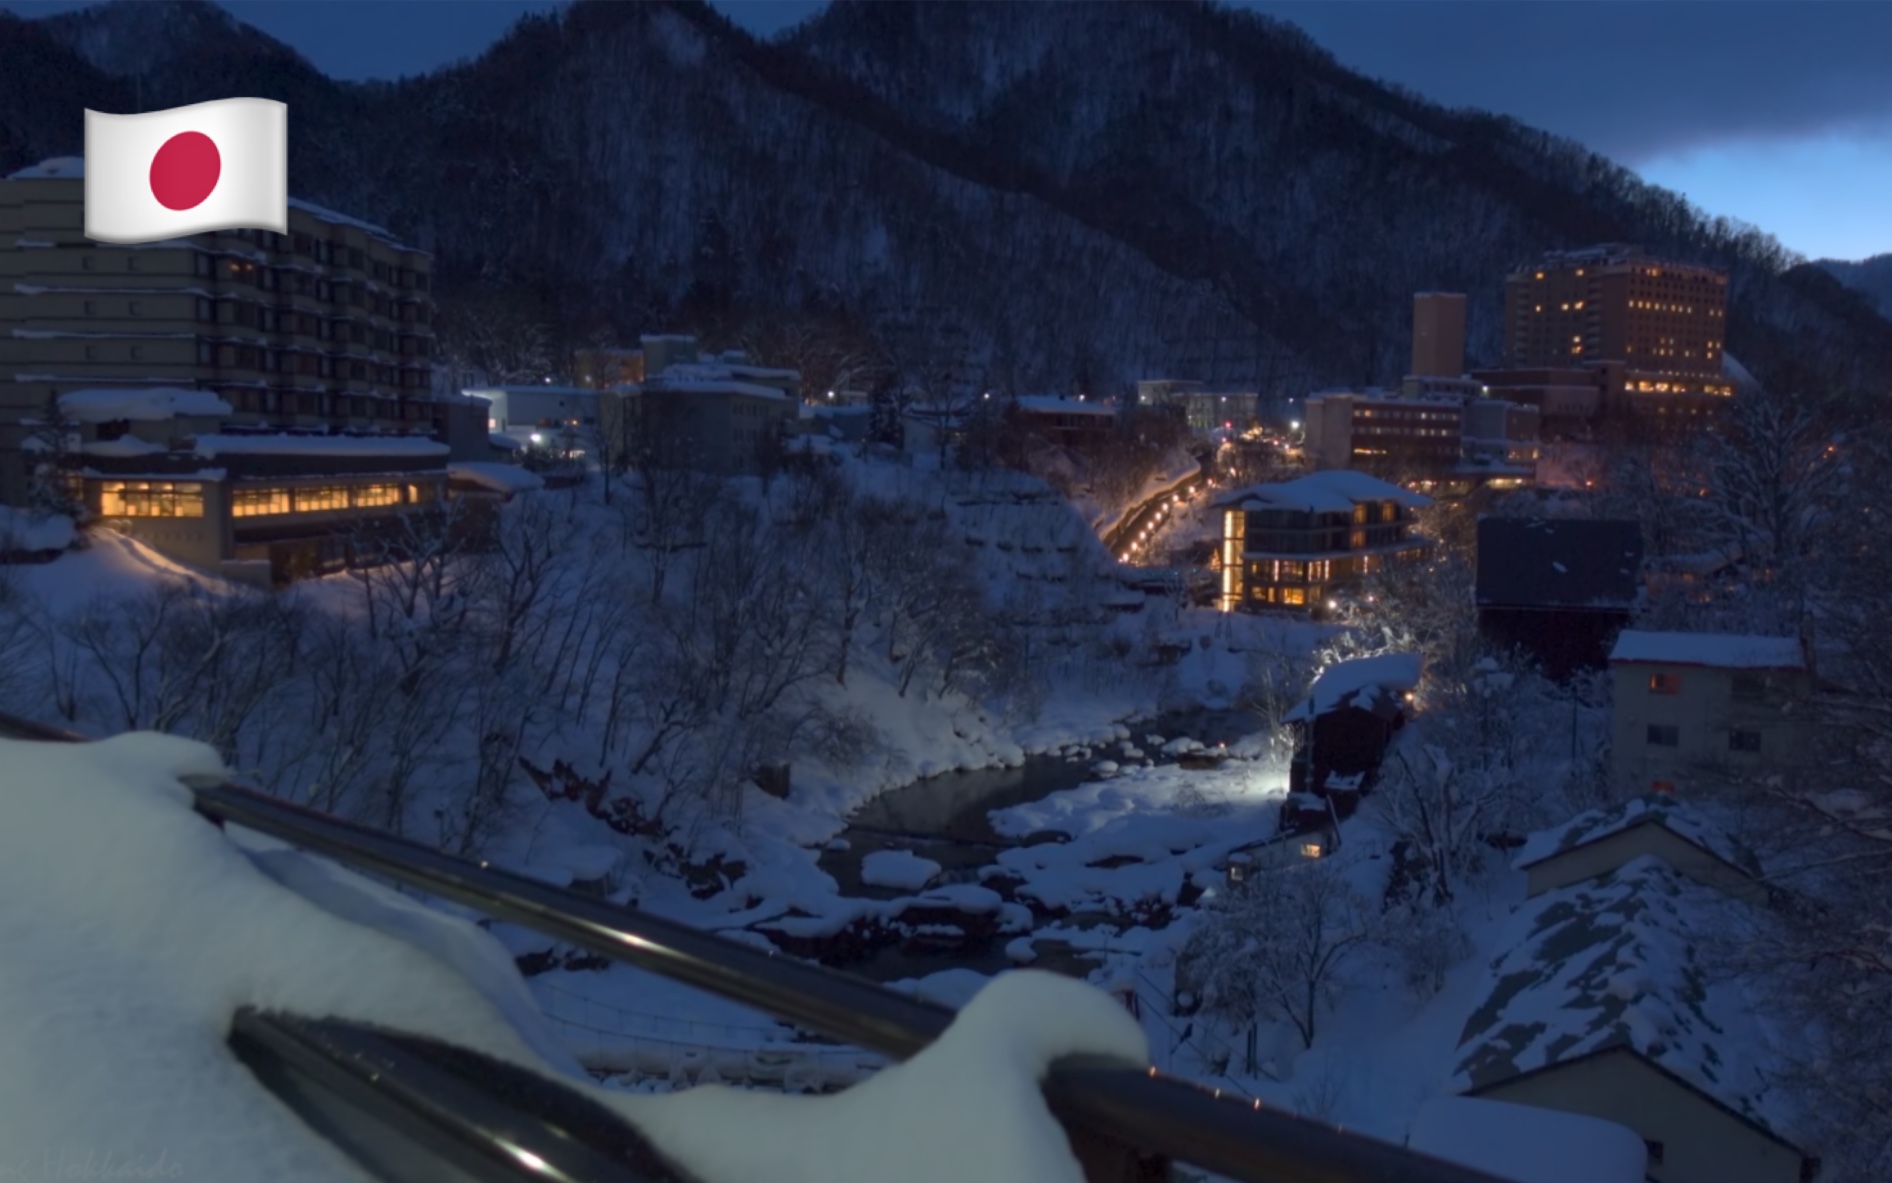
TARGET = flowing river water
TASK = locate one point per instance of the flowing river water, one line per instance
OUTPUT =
(946, 819)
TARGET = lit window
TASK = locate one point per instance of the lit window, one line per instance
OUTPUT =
(251, 503)
(1665, 683)
(1312, 849)
(150, 499)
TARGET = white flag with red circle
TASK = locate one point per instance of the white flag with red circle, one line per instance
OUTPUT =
(222, 165)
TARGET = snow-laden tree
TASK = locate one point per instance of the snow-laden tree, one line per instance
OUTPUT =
(1481, 761)
(1280, 946)
(1776, 476)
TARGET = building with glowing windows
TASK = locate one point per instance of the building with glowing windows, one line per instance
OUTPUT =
(1609, 334)
(1291, 545)
(243, 401)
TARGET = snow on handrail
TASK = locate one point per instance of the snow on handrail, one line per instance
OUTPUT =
(1110, 1107)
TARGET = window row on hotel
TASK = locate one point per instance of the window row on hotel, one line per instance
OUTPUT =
(360, 291)
(185, 499)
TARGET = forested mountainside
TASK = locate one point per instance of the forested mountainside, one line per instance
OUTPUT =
(1026, 196)
(1870, 277)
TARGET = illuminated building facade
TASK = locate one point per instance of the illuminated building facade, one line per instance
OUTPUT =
(244, 401)
(1289, 545)
(1651, 332)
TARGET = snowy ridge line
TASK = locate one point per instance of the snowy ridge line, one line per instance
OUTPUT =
(1125, 1116)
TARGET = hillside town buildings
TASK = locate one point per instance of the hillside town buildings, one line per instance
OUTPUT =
(1608, 335)
(253, 402)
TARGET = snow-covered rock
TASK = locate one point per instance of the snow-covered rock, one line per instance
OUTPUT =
(898, 868)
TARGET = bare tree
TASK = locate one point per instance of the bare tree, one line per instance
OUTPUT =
(1279, 946)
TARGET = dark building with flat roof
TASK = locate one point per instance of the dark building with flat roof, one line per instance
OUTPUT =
(1559, 589)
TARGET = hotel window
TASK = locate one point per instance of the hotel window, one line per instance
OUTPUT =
(1665, 683)
(317, 500)
(251, 503)
(372, 495)
(1293, 595)
(1664, 735)
(150, 499)
(1744, 739)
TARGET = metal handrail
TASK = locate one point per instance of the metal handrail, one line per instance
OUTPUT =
(1158, 1115)
(414, 1110)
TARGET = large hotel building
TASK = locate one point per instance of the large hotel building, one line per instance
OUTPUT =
(244, 401)
(1610, 334)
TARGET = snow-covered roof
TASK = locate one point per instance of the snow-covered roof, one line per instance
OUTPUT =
(1558, 563)
(329, 215)
(24, 530)
(1527, 1143)
(122, 447)
(745, 370)
(148, 404)
(1613, 963)
(1393, 673)
(58, 168)
(701, 378)
(500, 478)
(485, 393)
(318, 445)
(1045, 404)
(1684, 821)
(73, 168)
(1718, 650)
(1334, 491)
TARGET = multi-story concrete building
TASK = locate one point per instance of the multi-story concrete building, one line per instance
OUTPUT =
(601, 369)
(1652, 331)
(1696, 704)
(1433, 439)
(234, 398)
(719, 415)
(519, 410)
(1289, 545)
(1438, 334)
(1203, 408)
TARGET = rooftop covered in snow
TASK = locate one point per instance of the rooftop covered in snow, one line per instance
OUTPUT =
(495, 477)
(707, 378)
(72, 168)
(1713, 650)
(1679, 818)
(1359, 682)
(1527, 1143)
(1046, 404)
(149, 404)
(57, 168)
(1558, 563)
(1335, 491)
(1615, 963)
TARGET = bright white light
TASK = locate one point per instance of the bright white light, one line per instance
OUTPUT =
(537, 438)
(1331, 605)
(1294, 425)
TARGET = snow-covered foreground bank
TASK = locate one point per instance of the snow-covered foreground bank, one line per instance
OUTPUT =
(135, 930)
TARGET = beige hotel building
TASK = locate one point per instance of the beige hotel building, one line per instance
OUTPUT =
(244, 401)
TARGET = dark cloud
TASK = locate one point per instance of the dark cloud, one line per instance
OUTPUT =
(1634, 80)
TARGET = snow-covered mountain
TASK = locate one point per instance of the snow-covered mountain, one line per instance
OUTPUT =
(1032, 196)
(1870, 277)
